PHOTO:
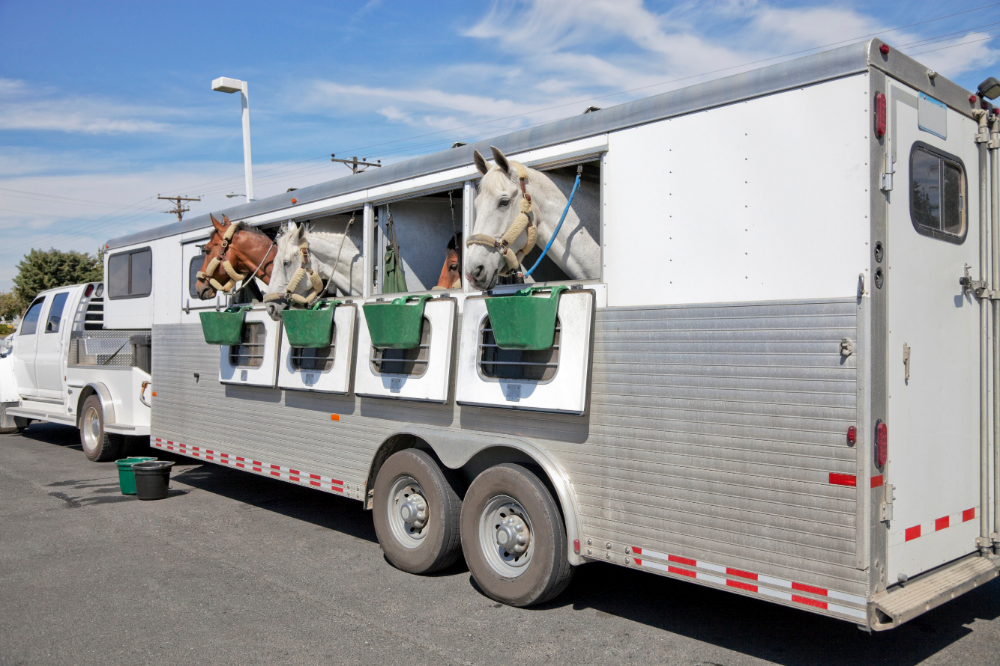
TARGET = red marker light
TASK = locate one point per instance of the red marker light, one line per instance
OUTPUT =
(576, 546)
(295, 200)
(884, 49)
(89, 290)
(881, 443)
(852, 435)
(972, 100)
(880, 115)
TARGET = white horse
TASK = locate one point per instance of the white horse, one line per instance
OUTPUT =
(325, 240)
(575, 250)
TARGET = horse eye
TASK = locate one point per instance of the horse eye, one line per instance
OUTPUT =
(287, 263)
(453, 267)
(504, 202)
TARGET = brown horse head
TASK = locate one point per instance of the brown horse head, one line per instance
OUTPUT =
(246, 251)
(451, 272)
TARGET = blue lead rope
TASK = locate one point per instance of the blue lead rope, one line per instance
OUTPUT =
(579, 172)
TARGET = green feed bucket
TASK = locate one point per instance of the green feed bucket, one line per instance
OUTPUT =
(310, 327)
(396, 325)
(224, 328)
(126, 477)
(524, 321)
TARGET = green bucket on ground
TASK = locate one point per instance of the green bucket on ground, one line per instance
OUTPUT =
(126, 477)
(224, 328)
(396, 325)
(310, 327)
(524, 321)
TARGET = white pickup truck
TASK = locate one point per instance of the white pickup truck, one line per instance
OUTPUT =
(65, 367)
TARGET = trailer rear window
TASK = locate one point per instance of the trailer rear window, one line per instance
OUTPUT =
(412, 362)
(304, 358)
(130, 274)
(937, 194)
(537, 365)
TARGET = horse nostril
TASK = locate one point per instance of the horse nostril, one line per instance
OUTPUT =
(478, 272)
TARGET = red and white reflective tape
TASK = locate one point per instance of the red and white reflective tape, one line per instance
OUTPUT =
(943, 523)
(250, 465)
(777, 588)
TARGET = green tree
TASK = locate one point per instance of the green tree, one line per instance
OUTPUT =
(10, 306)
(41, 270)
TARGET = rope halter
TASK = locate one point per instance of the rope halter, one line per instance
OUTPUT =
(315, 282)
(521, 223)
(213, 265)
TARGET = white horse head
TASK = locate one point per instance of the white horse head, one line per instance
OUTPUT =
(575, 250)
(324, 248)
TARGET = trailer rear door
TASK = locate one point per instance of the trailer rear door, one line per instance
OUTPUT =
(933, 337)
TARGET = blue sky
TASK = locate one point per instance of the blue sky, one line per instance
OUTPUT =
(104, 105)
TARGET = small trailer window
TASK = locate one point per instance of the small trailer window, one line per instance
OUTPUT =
(130, 274)
(30, 322)
(250, 352)
(496, 363)
(193, 268)
(55, 313)
(412, 362)
(937, 194)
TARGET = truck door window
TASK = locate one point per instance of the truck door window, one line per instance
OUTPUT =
(937, 194)
(55, 312)
(30, 321)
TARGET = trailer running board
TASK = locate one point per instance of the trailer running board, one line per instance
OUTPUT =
(900, 604)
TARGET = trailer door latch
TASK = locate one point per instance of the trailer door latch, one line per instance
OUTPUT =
(885, 511)
(978, 288)
(846, 347)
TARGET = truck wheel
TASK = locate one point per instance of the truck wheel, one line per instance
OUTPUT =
(514, 537)
(98, 445)
(416, 513)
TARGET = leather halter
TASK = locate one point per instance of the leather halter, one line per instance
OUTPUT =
(523, 222)
(315, 282)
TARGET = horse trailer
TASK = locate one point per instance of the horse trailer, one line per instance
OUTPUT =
(799, 404)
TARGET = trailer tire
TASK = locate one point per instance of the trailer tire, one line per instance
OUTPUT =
(508, 498)
(411, 487)
(98, 445)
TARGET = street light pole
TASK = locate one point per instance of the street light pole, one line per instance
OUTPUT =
(228, 85)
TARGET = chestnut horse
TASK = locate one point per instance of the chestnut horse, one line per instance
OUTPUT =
(247, 251)
(451, 272)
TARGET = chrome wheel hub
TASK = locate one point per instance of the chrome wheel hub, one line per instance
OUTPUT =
(407, 511)
(91, 428)
(505, 536)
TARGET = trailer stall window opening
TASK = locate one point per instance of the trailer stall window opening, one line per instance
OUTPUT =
(250, 352)
(410, 362)
(130, 274)
(937, 194)
(534, 366)
(55, 312)
(30, 321)
(321, 359)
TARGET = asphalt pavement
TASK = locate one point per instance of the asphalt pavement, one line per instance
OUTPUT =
(234, 568)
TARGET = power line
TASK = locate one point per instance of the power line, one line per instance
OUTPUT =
(179, 208)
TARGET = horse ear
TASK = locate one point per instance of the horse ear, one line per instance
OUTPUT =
(480, 161)
(219, 229)
(225, 219)
(294, 232)
(500, 159)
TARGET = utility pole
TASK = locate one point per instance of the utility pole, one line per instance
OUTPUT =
(353, 163)
(179, 208)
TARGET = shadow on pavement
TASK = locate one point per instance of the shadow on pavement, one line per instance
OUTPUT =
(749, 626)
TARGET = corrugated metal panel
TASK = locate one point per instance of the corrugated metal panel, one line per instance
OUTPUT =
(711, 432)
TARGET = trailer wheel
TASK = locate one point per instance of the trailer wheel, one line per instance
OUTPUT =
(98, 445)
(416, 513)
(514, 537)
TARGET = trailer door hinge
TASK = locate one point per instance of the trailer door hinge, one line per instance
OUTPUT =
(890, 169)
(885, 511)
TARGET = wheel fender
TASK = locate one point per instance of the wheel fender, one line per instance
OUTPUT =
(107, 402)
(456, 448)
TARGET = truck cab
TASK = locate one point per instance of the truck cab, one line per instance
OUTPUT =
(65, 367)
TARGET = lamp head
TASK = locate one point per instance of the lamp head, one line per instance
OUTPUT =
(990, 88)
(227, 85)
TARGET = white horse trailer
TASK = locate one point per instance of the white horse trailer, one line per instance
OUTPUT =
(777, 386)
